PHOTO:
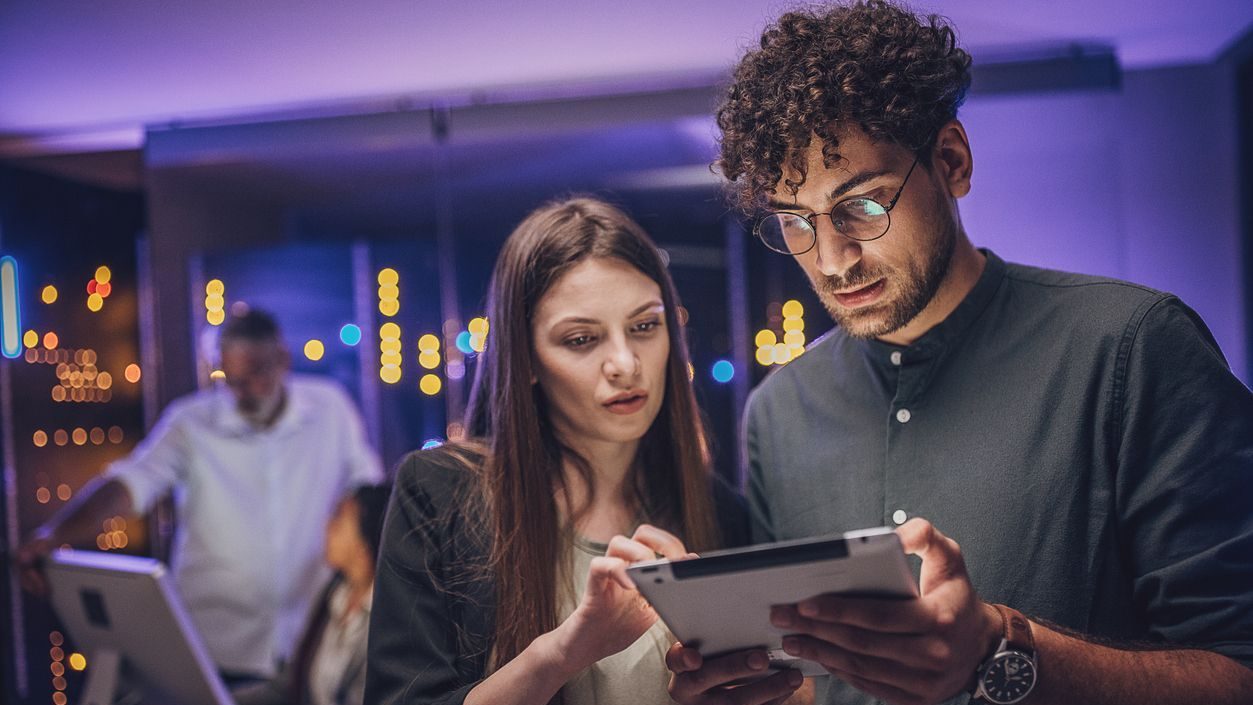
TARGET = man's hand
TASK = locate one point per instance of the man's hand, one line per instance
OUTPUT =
(695, 681)
(30, 560)
(912, 652)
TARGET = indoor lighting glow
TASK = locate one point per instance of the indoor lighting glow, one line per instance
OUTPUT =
(10, 311)
(49, 294)
(723, 371)
(350, 334)
(430, 385)
(314, 349)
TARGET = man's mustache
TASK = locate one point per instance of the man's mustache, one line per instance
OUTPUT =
(855, 278)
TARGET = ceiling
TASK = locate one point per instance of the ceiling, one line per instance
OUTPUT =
(81, 77)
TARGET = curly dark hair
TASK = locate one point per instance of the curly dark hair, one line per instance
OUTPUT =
(896, 75)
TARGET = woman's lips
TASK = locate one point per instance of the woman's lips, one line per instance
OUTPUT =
(862, 296)
(627, 405)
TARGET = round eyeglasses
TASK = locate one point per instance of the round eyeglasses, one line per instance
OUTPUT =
(862, 219)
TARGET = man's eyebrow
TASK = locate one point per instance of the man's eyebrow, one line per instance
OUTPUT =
(857, 180)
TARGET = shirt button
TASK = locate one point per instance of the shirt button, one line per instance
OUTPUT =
(899, 516)
(896, 358)
(903, 415)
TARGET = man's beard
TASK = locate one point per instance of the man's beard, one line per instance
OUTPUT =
(916, 289)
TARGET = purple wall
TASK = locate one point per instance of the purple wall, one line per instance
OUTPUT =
(1139, 184)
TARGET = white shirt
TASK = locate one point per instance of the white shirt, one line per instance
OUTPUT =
(341, 651)
(253, 506)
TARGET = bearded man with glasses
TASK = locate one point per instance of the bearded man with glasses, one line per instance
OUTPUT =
(1082, 438)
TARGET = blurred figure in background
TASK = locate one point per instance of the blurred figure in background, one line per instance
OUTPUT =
(328, 666)
(256, 469)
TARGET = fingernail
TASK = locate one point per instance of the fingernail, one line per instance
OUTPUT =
(781, 616)
(690, 660)
(757, 661)
(794, 678)
(791, 646)
(808, 609)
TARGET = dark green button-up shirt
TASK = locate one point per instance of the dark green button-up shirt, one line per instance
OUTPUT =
(1081, 438)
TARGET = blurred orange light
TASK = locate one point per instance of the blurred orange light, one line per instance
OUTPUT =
(51, 340)
(133, 373)
(104, 290)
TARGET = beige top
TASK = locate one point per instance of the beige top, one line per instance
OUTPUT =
(634, 676)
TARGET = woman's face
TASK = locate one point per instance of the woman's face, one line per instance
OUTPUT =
(600, 348)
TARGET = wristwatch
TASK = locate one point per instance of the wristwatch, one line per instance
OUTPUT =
(1008, 676)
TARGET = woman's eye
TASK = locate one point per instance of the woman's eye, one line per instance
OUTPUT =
(647, 326)
(578, 341)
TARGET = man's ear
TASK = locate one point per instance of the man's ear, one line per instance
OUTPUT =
(952, 160)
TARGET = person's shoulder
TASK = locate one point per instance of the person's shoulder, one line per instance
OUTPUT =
(317, 388)
(196, 408)
(440, 472)
(1093, 291)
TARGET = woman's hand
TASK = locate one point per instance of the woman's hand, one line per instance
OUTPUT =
(612, 614)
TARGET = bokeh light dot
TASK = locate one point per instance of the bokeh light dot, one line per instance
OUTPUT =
(51, 341)
(428, 342)
(49, 294)
(350, 334)
(314, 349)
(388, 277)
(103, 274)
(132, 373)
(30, 339)
(95, 302)
(723, 371)
(430, 385)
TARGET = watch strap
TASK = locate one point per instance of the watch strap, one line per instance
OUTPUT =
(1016, 630)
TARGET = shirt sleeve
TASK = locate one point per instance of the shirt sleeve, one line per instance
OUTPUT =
(157, 464)
(762, 528)
(414, 647)
(1185, 483)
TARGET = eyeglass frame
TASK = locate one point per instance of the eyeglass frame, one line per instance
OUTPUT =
(813, 228)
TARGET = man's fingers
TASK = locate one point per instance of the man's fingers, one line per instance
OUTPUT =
(776, 686)
(909, 649)
(680, 659)
(835, 658)
(941, 556)
(911, 616)
(719, 671)
(660, 542)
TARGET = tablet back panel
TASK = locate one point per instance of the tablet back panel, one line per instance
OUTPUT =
(721, 602)
(128, 604)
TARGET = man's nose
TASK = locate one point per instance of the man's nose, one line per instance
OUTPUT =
(836, 254)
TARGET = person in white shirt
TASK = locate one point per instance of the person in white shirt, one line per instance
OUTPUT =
(256, 470)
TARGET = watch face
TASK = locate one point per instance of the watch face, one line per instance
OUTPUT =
(1008, 678)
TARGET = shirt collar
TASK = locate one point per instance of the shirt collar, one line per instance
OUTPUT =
(947, 332)
(233, 423)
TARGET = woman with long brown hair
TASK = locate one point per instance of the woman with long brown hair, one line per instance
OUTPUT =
(502, 576)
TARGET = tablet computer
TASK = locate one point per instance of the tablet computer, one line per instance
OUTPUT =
(124, 612)
(720, 603)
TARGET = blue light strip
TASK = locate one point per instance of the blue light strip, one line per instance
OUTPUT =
(10, 311)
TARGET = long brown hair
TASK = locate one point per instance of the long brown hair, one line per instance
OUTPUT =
(522, 470)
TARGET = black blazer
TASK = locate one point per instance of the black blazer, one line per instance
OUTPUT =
(434, 609)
